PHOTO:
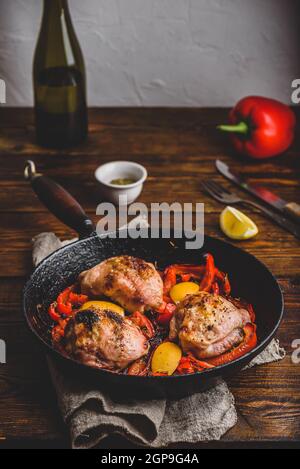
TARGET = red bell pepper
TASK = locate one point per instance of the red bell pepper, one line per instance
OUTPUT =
(68, 299)
(139, 368)
(53, 313)
(261, 127)
(169, 279)
(143, 323)
(185, 367)
(224, 280)
(64, 306)
(190, 364)
(166, 314)
(251, 312)
(65, 303)
(227, 285)
(186, 277)
(77, 299)
(209, 275)
(59, 331)
(248, 344)
(216, 288)
(194, 270)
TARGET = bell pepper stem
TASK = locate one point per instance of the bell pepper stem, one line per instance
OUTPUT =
(241, 128)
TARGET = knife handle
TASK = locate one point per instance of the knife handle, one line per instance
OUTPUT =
(293, 210)
(280, 220)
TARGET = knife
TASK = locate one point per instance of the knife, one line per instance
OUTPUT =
(291, 209)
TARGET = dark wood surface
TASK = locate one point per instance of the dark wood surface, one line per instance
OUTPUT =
(179, 148)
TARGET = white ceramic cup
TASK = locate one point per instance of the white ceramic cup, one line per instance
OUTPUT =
(121, 170)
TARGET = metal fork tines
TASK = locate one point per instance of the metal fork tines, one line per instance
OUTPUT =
(223, 195)
(220, 193)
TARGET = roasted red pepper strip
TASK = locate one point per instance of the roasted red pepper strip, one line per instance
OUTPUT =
(248, 344)
(52, 312)
(64, 303)
(197, 270)
(169, 279)
(185, 366)
(226, 285)
(216, 288)
(261, 127)
(64, 306)
(144, 323)
(223, 278)
(64, 295)
(185, 271)
(209, 275)
(138, 368)
(185, 277)
(200, 363)
(75, 298)
(166, 315)
(190, 365)
(59, 331)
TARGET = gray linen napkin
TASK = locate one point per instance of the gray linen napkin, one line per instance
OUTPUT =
(93, 414)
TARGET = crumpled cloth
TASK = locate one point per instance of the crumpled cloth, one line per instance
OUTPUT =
(93, 414)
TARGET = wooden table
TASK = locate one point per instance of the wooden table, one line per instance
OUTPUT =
(179, 148)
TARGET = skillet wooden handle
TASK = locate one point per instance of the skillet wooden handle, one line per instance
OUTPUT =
(294, 210)
(59, 201)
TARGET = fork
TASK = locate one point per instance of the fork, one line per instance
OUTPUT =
(224, 196)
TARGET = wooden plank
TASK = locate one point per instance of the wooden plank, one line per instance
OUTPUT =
(18, 196)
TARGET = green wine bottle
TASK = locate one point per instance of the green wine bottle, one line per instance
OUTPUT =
(59, 80)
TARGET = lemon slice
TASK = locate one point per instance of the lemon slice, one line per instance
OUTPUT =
(236, 225)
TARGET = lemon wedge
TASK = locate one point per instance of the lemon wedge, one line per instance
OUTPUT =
(236, 225)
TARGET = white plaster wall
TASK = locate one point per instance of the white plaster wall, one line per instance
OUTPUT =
(164, 52)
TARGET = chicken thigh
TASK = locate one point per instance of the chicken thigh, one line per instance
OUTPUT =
(131, 282)
(208, 325)
(104, 339)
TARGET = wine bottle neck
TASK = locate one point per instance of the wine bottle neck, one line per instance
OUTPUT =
(57, 29)
(56, 7)
(56, 12)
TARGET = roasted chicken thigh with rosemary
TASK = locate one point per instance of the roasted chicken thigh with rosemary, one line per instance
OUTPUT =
(133, 283)
(208, 325)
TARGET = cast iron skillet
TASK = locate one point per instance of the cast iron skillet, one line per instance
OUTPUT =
(251, 281)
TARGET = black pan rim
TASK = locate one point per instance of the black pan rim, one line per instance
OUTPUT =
(244, 360)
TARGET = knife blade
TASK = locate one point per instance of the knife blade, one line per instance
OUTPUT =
(287, 208)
